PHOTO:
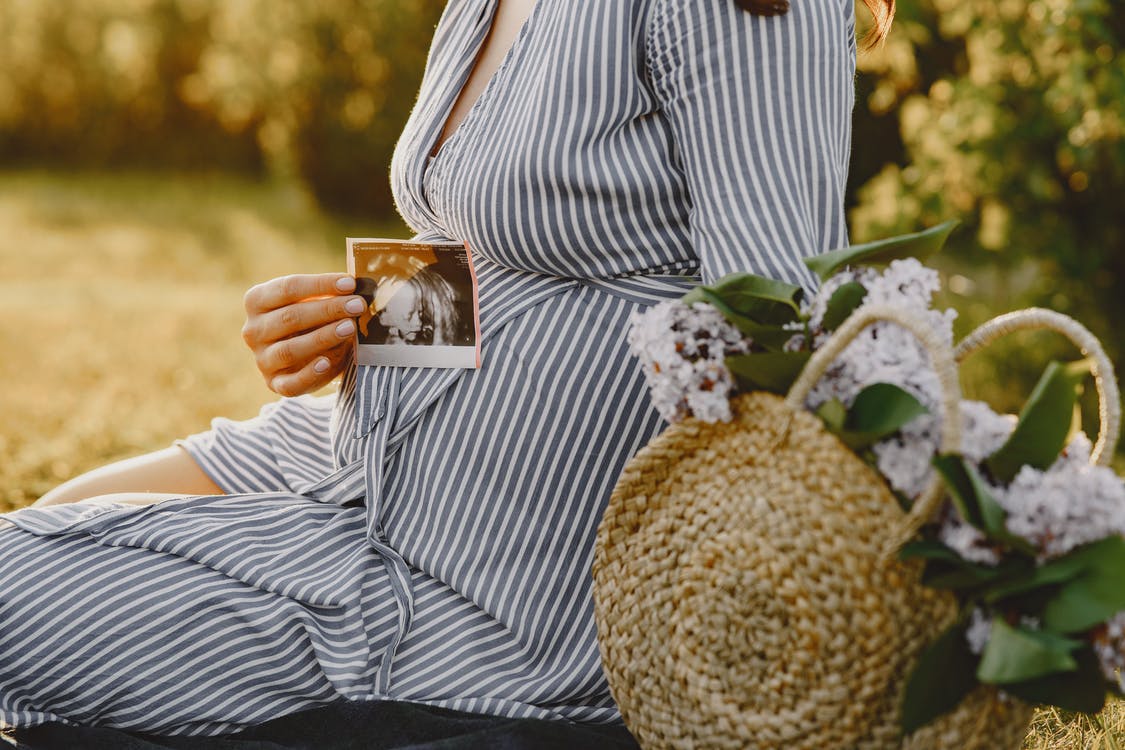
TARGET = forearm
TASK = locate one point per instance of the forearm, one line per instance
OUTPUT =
(162, 474)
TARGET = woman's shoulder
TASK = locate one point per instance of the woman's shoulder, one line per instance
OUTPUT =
(691, 12)
(682, 30)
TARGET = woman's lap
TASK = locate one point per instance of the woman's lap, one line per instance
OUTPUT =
(110, 618)
(202, 615)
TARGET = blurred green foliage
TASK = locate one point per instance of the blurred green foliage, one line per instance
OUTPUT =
(1009, 115)
(315, 88)
(106, 83)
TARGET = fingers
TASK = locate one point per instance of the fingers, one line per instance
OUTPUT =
(294, 352)
(288, 290)
(297, 318)
(300, 329)
(318, 372)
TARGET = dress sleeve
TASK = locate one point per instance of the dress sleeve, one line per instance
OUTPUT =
(760, 113)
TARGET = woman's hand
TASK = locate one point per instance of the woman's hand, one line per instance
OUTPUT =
(300, 329)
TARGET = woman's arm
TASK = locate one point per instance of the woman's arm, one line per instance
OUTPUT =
(170, 472)
(760, 110)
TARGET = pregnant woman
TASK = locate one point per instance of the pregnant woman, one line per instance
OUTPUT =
(426, 535)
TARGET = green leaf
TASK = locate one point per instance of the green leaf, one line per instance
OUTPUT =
(919, 245)
(1043, 427)
(968, 577)
(767, 371)
(927, 549)
(881, 409)
(1037, 578)
(946, 569)
(843, 303)
(943, 676)
(771, 337)
(962, 492)
(833, 413)
(1095, 594)
(766, 336)
(1102, 555)
(707, 294)
(1015, 654)
(1082, 690)
(973, 499)
(748, 295)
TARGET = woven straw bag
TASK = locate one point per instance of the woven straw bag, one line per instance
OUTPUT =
(745, 596)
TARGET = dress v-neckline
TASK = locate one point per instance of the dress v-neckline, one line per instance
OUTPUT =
(436, 149)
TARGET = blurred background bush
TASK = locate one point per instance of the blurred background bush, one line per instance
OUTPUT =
(1009, 115)
(316, 89)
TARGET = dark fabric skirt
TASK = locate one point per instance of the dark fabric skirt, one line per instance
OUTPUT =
(382, 725)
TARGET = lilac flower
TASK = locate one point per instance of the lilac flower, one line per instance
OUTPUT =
(904, 459)
(1110, 648)
(883, 352)
(966, 540)
(1066, 506)
(905, 282)
(979, 630)
(682, 350)
(1070, 504)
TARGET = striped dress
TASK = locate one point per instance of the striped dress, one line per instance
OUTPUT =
(426, 535)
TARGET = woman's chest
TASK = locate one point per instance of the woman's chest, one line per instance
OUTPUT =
(564, 139)
(508, 19)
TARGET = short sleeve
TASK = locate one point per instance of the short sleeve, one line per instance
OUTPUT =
(760, 112)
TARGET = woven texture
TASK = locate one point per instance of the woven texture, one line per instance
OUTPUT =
(742, 600)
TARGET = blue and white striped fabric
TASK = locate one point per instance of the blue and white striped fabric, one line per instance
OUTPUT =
(426, 535)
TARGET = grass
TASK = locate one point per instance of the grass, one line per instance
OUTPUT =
(121, 302)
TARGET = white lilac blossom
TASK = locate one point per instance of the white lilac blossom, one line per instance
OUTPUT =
(966, 540)
(682, 350)
(883, 352)
(905, 282)
(905, 459)
(978, 631)
(1076, 453)
(794, 343)
(1066, 506)
(1070, 504)
(1109, 645)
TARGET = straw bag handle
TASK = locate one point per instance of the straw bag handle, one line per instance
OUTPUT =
(1036, 318)
(941, 357)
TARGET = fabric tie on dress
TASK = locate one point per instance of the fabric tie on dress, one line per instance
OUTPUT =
(362, 481)
(397, 568)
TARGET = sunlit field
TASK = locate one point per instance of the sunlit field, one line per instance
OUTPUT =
(120, 310)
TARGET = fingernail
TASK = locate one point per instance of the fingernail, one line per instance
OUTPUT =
(347, 328)
(345, 284)
(321, 365)
(355, 306)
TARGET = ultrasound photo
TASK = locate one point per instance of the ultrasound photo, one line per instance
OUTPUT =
(422, 306)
